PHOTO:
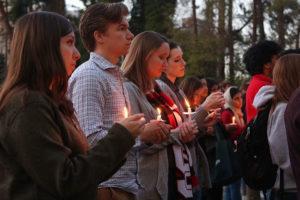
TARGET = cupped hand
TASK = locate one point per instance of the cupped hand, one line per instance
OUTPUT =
(155, 132)
(188, 131)
(213, 101)
(134, 124)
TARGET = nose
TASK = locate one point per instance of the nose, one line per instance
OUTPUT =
(130, 35)
(165, 63)
(183, 62)
(76, 54)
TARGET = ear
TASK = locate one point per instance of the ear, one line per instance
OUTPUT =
(268, 69)
(99, 37)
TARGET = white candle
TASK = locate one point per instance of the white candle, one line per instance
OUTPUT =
(233, 119)
(125, 112)
(189, 109)
(159, 115)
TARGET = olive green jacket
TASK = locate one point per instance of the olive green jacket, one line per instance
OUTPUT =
(45, 156)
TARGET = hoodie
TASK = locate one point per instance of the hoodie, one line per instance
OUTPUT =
(277, 136)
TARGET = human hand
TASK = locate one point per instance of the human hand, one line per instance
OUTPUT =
(134, 124)
(213, 101)
(210, 131)
(213, 118)
(155, 132)
(230, 128)
(188, 131)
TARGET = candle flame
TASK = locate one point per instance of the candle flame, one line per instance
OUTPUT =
(233, 119)
(125, 112)
(158, 111)
(187, 103)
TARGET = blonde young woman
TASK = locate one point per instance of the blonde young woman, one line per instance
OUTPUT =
(286, 80)
(161, 170)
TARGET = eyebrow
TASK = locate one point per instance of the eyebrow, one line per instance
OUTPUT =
(123, 24)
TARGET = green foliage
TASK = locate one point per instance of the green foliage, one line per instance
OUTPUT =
(200, 54)
(159, 16)
(137, 20)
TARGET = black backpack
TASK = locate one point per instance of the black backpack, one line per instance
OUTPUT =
(253, 153)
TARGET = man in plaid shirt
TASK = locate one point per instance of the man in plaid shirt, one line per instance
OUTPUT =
(97, 92)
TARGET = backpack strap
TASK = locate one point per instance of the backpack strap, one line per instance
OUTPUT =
(281, 189)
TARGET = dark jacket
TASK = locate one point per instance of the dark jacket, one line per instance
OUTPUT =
(45, 156)
(292, 125)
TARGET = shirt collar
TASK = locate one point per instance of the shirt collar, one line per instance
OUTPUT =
(101, 62)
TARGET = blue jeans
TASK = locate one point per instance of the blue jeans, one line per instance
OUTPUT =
(233, 191)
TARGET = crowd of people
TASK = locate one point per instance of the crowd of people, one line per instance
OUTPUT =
(131, 132)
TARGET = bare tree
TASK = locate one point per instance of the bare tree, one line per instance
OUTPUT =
(4, 21)
(230, 41)
(254, 22)
(221, 39)
(260, 20)
(195, 18)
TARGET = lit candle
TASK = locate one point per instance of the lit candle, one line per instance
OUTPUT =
(125, 112)
(159, 115)
(189, 109)
(233, 119)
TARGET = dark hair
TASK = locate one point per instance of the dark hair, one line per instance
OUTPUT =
(259, 54)
(233, 91)
(189, 85)
(290, 51)
(134, 65)
(36, 61)
(172, 45)
(210, 83)
(96, 18)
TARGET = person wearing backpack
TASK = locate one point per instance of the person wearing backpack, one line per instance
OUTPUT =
(233, 114)
(286, 80)
(259, 60)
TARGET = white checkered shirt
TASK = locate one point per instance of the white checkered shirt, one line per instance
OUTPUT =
(97, 92)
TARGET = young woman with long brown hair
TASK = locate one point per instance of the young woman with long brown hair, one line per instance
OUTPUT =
(286, 80)
(43, 152)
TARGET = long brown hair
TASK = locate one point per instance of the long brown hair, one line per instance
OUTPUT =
(35, 60)
(189, 85)
(286, 77)
(134, 65)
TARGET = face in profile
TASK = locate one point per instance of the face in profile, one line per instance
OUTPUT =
(117, 38)
(176, 64)
(157, 61)
(69, 52)
(198, 96)
(204, 83)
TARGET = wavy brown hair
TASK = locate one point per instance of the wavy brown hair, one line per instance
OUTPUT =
(286, 77)
(134, 65)
(35, 59)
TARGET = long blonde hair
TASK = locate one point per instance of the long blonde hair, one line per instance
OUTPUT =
(134, 65)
